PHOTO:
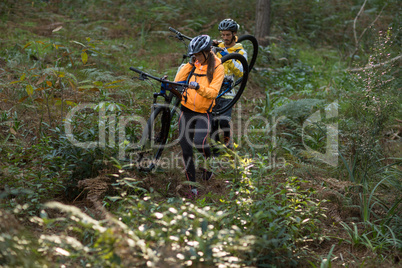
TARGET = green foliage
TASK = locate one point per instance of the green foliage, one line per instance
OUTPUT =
(281, 218)
(32, 176)
(322, 22)
(298, 110)
(367, 106)
(374, 96)
(327, 261)
(373, 102)
(253, 226)
(257, 224)
(374, 237)
(17, 244)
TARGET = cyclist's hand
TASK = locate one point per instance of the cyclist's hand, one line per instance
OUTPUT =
(164, 86)
(194, 85)
(223, 53)
(215, 42)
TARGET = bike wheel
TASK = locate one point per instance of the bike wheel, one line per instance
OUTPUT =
(154, 138)
(173, 137)
(250, 44)
(235, 88)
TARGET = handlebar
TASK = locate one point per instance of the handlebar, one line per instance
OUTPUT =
(179, 35)
(144, 75)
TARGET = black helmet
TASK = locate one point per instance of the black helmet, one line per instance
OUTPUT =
(228, 25)
(199, 43)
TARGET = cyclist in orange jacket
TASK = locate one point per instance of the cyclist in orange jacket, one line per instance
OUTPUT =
(204, 73)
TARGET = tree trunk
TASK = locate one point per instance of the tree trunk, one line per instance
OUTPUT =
(263, 24)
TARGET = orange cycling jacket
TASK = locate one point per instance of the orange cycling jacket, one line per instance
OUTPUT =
(201, 100)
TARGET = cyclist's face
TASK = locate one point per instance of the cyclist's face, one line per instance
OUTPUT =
(227, 37)
(200, 57)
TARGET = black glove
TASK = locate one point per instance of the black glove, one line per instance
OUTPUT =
(192, 60)
(195, 85)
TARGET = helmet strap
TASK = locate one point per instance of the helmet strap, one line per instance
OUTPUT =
(205, 57)
(233, 37)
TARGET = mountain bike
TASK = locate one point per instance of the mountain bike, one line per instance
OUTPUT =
(156, 133)
(249, 42)
(161, 130)
(231, 86)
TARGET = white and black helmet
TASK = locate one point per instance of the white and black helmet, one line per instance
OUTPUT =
(228, 25)
(201, 43)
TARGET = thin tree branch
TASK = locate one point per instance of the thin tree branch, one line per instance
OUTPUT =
(357, 40)
(364, 31)
(355, 20)
(375, 65)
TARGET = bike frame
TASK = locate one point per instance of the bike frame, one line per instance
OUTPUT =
(165, 85)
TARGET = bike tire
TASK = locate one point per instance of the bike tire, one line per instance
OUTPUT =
(244, 40)
(154, 138)
(238, 85)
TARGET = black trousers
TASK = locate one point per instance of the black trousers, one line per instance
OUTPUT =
(194, 129)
